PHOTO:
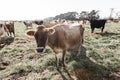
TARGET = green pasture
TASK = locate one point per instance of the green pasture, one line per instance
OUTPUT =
(99, 58)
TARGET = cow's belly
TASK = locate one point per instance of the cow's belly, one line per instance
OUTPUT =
(73, 39)
(98, 27)
(72, 44)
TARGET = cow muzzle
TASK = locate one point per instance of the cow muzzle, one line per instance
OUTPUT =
(40, 49)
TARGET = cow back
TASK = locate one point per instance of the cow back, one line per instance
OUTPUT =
(97, 23)
(66, 36)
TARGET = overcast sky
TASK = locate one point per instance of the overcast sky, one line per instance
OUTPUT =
(39, 9)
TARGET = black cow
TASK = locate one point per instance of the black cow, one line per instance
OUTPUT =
(97, 24)
(38, 22)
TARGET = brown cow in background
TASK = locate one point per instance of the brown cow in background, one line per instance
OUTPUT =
(7, 27)
(28, 24)
(10, 26)
(3, 29)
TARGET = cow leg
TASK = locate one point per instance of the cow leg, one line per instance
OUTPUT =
(81, 42)
(102, 29)
(57, 60)
(79, 49)
(92, 30)
(8, 33)
(63, 57)
(14, 33)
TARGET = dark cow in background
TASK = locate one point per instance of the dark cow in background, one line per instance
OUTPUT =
(10, 26)
(97, 24)
(60, 37)
(28, 24)
(38, 22)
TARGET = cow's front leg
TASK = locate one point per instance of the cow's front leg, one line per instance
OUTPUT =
(63, 57)
(102, 29)
(57, 60)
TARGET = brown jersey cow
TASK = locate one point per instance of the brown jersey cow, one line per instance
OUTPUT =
(59, 37)
(28, 24)
(10, 26)
(2, 29)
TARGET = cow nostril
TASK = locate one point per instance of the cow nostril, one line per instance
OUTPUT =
(40, 49)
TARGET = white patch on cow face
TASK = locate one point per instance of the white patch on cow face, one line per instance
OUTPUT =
(41, 39)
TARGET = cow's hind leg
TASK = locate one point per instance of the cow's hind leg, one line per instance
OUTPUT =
(57, 60)
(102, 29)
(92, 30)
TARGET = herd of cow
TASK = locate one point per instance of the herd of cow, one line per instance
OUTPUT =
(59, 35)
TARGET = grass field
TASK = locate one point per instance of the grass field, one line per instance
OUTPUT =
(99, 58)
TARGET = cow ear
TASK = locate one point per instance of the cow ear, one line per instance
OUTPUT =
(30, 33)
(51, 31)
(56, 21)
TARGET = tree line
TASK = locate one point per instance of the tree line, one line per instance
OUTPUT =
(77, 16)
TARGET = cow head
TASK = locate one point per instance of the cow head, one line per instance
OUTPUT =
(41, 35)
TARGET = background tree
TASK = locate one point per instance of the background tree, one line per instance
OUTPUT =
(93, 14)
(68, 16)
(83, 15)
